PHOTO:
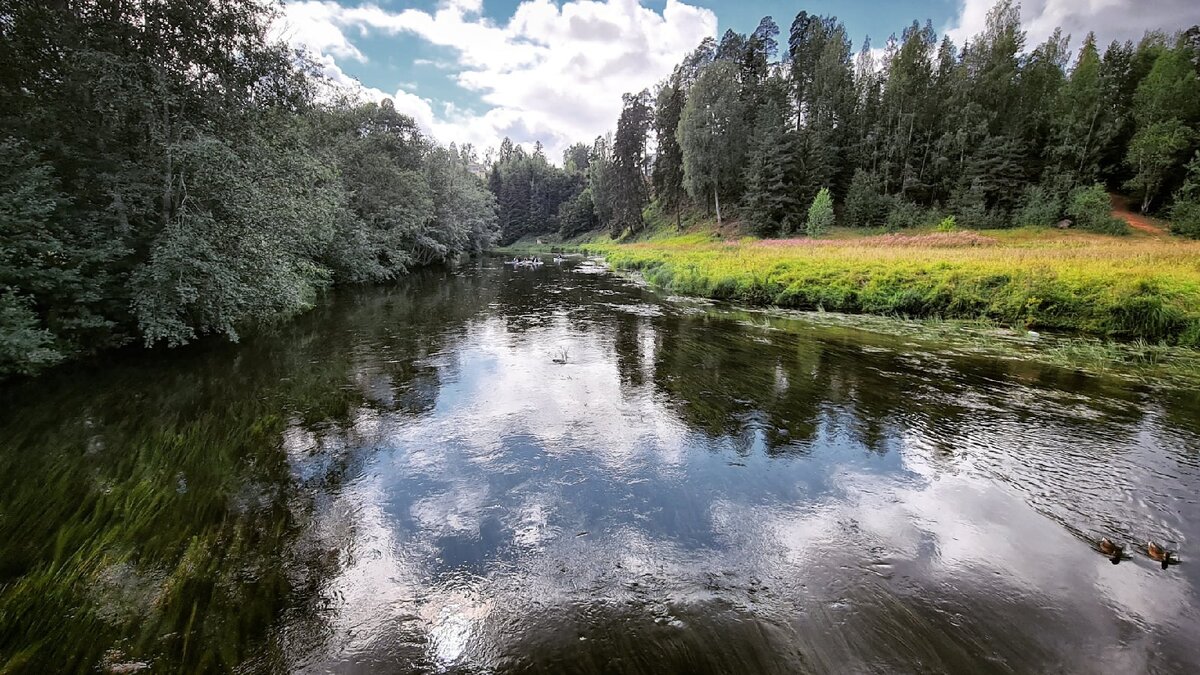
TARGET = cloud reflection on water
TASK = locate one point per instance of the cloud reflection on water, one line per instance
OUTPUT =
(822, 506)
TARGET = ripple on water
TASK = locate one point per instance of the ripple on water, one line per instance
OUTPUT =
(405, 480)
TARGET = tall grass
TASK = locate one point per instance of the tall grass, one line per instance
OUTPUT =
(1126, 288)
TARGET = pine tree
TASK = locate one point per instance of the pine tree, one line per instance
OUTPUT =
(820, 214)
(668, 161)
(1041, 77)
(1080, 115)
(865, 205)
(770, 203)
(629, 163)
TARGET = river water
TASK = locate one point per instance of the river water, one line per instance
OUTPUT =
(555, 470)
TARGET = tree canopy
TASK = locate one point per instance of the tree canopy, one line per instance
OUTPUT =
(995, 131)
(173, 172)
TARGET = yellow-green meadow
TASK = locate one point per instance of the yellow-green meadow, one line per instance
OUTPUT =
(1138, 286)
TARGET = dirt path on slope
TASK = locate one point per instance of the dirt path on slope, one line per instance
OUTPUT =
(1137, 221)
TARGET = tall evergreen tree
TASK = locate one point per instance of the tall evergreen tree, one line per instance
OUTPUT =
(1080, 117)
(668, 160)
(629, 163)
(770, 202)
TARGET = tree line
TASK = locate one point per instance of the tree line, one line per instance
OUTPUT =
(170, 171)
(771, 127)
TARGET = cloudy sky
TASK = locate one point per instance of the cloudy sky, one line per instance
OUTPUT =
(478, 70)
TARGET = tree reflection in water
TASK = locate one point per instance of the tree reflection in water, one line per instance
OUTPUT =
(405, 481)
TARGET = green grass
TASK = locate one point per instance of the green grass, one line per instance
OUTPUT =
(1132, 287)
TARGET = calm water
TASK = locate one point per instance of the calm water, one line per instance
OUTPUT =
(405, 481)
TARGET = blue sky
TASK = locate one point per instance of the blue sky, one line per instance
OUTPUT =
(395, 62)
(478, 70)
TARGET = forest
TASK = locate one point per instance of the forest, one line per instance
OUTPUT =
(773, 126)
(171, 172)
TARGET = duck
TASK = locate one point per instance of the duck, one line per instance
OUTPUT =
(1112, 550)
(1160, 554)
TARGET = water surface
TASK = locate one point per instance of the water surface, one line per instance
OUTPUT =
(493, 470)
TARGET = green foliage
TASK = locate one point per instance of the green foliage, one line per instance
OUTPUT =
(903, 214)
(970, 206)
(667, 174)
(1038, 208)
(1154, 152)
(820, 214)
(170, 172)
(1091, 209)
(629, 164)
(770, 202)
(1166, 108)
(1083, 114)
(865, 205)
(240, 248)
(1185, 219)
(529, 191)
(712, 134)
(577, 215)
(25, 347)
(947, 224)
(601, 180)
(1185, 212)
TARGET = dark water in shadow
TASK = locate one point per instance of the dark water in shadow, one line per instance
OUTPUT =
(404, 481)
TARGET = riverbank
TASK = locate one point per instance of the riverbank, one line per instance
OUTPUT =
(1133, 287)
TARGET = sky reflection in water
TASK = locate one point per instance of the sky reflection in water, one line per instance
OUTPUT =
(695, 491)
(690, 494)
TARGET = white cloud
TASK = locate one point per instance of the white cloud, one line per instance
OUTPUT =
(552, 73)
(1110, 19)
(314, 26)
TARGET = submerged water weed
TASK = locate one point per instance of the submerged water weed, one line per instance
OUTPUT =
(1153, 364)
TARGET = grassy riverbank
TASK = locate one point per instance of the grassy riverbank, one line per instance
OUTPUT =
(1139, 286)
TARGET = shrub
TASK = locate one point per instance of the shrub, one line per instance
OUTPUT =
(903, 214)
(1091, 210)
(1185, 219)
(865, 205)
(970, 208)
(577, 215)
(1039, 207)
(25, 347)
(1185, 214)
(947, 224)
(820, 214)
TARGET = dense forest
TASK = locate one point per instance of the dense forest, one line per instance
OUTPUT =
(170, 171)
(993, 133)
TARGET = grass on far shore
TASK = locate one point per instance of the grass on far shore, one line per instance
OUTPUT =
(1123, 287)
(1138, 286)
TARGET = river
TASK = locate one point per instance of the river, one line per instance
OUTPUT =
(557, 470)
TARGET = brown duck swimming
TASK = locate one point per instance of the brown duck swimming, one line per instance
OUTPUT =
(1113, 551)
(1160, 554)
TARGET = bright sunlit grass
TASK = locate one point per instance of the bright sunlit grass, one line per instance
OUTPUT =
(1127, 287)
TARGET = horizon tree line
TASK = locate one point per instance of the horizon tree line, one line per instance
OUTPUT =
(995, 132)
